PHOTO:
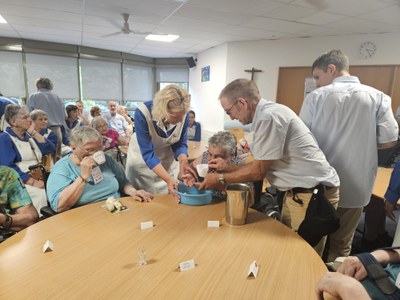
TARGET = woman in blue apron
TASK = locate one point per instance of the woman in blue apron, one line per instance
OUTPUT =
(158, 148)
(23, 147)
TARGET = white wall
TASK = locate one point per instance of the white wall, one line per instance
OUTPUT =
(270, 55)
(205, 94)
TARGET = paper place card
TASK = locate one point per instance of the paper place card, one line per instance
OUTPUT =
(253, 270)
(213, 224)
(146, 225)
(48, 246)
(187, 265)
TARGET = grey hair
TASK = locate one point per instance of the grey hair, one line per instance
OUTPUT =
(96, 120)
(240, 88)
(13, 112)
(44, 83)
(224, 140)
(81, 135)
(37, 113)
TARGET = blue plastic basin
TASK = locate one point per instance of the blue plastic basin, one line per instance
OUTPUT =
(193, 196)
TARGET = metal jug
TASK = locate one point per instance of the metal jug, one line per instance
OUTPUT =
(237, 203)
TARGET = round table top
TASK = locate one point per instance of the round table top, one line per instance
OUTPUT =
(96, 255)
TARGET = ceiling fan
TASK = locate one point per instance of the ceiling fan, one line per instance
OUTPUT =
(125, 29)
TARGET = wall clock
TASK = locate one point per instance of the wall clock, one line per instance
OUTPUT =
(367, 49)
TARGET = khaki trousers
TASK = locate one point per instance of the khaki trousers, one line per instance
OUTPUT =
(293, 213)
(341, 240)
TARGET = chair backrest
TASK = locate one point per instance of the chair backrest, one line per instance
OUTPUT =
(237, 132)
(386, 156)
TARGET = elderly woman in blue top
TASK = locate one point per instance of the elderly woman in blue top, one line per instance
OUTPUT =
(77, 179)
(159, 142)
(21, 147)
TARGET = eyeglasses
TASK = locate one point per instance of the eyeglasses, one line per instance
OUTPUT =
(228, 112)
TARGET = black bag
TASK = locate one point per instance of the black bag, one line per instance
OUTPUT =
(321, 219)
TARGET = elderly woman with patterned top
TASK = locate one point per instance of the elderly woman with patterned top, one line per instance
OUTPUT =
(23, 147)
(88, 175)
(220, 145)
(160, 142)
(111, 138)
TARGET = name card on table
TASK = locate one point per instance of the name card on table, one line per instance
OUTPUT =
(187, 265)
(213, 224)
(253, 270)
(146, 225)
(48, 246)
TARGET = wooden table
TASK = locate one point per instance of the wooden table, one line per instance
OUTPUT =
(382, 181)
(196, 149)
(96, 256)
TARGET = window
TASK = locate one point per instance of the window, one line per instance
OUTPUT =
(101, 80)
(12, 79)
(138, 82)
(62, 71)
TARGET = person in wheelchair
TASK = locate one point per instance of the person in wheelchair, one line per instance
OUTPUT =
(111, 138)
(220, 145)
(16, 209)
(22, 148)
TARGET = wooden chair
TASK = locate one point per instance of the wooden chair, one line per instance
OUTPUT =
(237, 132)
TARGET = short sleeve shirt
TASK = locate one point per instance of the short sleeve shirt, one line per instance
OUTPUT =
(13, 193)
(281, 136)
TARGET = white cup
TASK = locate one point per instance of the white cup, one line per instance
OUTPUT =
(99, 157)
(202, 169)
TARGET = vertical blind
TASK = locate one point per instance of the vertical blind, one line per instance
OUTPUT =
(62, 71)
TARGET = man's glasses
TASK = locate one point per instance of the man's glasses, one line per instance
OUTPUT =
(228, 112)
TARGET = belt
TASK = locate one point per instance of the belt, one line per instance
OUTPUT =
(300, 190)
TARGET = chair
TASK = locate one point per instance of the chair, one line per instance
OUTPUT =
(237, 132)
(387, 156)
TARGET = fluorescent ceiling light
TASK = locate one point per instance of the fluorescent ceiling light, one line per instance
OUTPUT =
(15, 47)
(162, 37)
(2, 20)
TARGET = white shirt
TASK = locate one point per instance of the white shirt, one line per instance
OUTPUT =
(348, 120)
(281, 136)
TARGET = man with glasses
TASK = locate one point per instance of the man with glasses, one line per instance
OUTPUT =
(284, 151)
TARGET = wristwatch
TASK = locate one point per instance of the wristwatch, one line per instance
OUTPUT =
(7, 223)
(221, 179)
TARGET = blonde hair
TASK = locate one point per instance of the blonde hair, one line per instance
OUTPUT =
(170, 99)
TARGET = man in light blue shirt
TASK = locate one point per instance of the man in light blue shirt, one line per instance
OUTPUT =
(349, 121)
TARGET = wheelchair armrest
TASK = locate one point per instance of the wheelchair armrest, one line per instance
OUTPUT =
(47, 212)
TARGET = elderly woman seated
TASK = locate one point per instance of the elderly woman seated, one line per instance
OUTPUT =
(111, 138)
(22, 148)
(88, 175)
(220, 145)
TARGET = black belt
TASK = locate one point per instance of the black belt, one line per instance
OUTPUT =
(300, 190)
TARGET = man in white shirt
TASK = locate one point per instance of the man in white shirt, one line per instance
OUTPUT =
(349, 121)
(117, 121)
(284, 151)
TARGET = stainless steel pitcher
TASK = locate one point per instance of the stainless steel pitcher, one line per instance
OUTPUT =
(237, 203)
